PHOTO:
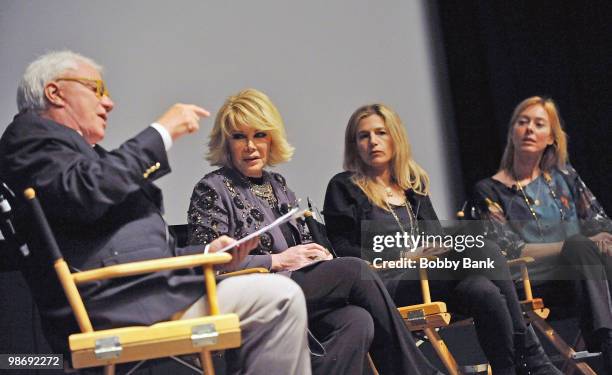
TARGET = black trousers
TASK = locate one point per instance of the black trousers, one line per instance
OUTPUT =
(583, 278)
(351, 312)
(487, 295)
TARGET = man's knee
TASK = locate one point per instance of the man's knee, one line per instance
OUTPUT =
(262, 292)
(293, 296)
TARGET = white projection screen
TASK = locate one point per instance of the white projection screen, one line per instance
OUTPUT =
(318, 60)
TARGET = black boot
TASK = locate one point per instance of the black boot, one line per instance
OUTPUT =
(536, 360)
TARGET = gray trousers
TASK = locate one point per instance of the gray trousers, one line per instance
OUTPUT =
(273, 321)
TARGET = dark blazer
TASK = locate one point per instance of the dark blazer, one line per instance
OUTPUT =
(346, 205)
(104, 210)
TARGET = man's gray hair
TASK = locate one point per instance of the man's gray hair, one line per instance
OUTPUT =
(51, 65)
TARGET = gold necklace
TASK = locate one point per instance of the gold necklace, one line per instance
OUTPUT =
(411, 217)
(548, 179)
(536, 199)
(533, 213)
(264, 192)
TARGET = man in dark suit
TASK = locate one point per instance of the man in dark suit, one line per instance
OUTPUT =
(104, 210)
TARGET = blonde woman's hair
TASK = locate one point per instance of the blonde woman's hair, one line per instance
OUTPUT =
(555, 155)
(405, 172)
(251, 108)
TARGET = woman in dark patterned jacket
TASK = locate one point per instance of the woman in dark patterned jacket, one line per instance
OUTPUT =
(536, 205)
(349, 310)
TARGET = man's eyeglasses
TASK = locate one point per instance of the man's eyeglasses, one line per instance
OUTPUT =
(96, 85)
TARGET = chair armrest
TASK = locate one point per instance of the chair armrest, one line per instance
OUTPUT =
(520, 261)
(148, 266)
(246, 271)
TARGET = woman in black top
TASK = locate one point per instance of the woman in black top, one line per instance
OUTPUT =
(384, 189)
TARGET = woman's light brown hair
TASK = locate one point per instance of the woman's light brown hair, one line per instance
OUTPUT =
(405, 172)
(554, 155)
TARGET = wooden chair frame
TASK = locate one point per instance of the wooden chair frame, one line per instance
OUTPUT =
(534, 310)
(536, 313)
(109, 347)
(429, 317)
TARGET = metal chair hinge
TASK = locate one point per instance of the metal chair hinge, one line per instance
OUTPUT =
(474, 369)
(579, 356)
(108, 347)
(416, 317)
(204, 334)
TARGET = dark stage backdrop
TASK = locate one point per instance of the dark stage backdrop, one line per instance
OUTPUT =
(501, 52)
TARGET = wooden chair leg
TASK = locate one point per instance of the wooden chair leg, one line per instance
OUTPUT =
(567, 367)
(578, 345)
(442, 350)
(566, 351)
(109, 370)
(372, 366)
(207, 363)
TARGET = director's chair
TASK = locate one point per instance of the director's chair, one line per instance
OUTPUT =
(429, 317)
(536, 313)
(93, 348)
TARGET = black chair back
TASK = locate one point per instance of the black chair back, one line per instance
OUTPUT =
(12, 245)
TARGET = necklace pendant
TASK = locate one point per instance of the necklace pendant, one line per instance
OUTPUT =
(537, 202)
(389, 192)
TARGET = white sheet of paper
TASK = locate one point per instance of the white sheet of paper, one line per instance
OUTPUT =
(283, 219)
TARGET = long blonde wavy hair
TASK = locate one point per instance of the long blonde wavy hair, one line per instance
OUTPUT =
(405, 171)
